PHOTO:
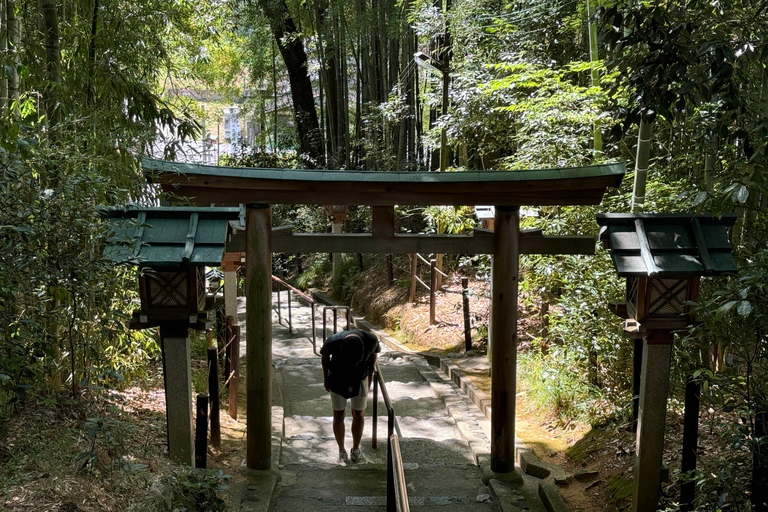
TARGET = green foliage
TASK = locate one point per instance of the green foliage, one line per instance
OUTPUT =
(455, 220)
(315, 276)
(734, 334)
(104, 432)
(63, 307)
(190, 489)
(285, 159)
(345, 275)
(621, 488)
(552, 114)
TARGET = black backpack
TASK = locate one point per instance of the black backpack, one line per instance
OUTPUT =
(346, 381)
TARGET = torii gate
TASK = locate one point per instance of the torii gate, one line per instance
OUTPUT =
(258, 189)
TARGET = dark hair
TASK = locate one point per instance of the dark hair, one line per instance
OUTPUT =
(351, 351)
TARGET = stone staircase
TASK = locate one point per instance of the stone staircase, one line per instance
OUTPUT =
(444, 437)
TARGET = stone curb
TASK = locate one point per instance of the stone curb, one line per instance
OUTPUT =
(551, 497)
(250, 495)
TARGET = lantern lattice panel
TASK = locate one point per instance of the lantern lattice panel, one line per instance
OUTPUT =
(200, 288)
(631, 299)
(168, 289)
(667, 296)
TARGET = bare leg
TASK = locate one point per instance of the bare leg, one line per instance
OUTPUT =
(358, 422)
(338, 427)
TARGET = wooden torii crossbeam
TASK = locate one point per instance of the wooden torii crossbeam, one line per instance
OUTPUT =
(258, 189)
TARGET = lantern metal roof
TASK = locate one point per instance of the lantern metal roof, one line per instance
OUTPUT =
(169, 236)
(668, 245)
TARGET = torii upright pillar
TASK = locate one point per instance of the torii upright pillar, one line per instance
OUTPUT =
(504, 332)
(258, 335)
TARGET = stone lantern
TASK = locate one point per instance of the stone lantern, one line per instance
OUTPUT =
(172, 246)
(663, 257)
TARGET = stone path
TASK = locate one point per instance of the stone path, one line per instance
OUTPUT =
(444, 437)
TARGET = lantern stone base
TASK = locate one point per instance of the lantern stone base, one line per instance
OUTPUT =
(178, 396)
(654, 386)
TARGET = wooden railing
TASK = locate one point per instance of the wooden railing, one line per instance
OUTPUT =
(397, 492)
(432, 286)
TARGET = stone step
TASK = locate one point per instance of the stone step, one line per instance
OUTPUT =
(364, 489)
(440, 435)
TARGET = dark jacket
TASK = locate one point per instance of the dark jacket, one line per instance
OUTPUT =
(348, 358)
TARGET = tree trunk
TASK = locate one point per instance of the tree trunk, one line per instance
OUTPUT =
(14, 40)
(295, 58)
(92, 52)
(593, 57)
(641, 165)
(50, 22)
(3, 51)
(760, 465)
(343, 115)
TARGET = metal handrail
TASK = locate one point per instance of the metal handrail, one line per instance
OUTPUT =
(397, 493)
(401, 492)
(335, 310)
(310, 300)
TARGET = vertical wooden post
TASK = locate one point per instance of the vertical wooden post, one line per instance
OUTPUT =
(230, 292)
(258, 378)
(759, 488)
(337, 258)
(432, 288)
(637, 366)
(234, 380)
(654, 386)
(465, 305)
(221, 333)
(690, 441)
(228, 334)
(213, 391)
(504, 343)
(201, 432)
(412, 296)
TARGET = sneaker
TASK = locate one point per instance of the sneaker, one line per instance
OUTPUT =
(343, 460)
(357, 456)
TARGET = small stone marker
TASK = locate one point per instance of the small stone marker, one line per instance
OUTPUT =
(532, 466)
(583, 476)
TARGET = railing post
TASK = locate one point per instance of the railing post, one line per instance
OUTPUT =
(228, 334)
(465, 303)
(314, 329)
(412, 296)
(324, 322)
(290, 317)
(432, 286)
(201, 432)
(391, 504)
(279, 311)
(375, 420)
(234, 376)
(213, 391)
(349, 317)
(335, 320)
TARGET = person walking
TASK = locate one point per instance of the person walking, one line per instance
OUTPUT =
(348, 359)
